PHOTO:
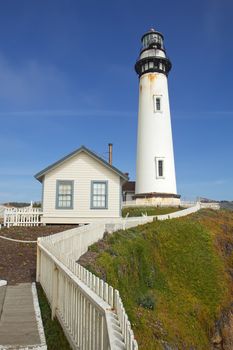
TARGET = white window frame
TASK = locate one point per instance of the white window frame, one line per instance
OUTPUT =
(155, 104)
(157, 160)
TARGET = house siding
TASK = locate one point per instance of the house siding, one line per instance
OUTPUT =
(81, 169)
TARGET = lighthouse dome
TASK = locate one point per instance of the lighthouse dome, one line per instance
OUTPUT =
(152, 38)
(152, 56)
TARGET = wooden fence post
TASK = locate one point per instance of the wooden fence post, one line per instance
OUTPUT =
(38, 262)
(54, 291)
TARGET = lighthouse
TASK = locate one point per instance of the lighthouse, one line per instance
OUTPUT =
(155, 173)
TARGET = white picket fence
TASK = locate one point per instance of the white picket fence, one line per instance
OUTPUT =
(183, 203)
(210, 205)
(27, 216)
(133, 203)
(90, 311)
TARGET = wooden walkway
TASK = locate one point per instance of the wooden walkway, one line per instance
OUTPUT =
(20, 322)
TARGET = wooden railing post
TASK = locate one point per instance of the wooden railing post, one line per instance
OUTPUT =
(38, 262)
(5, 211)
(54, 292)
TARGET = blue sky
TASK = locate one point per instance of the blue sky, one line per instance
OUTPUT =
(67, 78)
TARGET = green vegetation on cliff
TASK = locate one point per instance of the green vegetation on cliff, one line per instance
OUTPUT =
(172, 276)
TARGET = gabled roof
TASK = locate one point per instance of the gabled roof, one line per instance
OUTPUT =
(39, 176)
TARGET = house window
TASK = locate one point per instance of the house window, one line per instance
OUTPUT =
(64, 198)
(159, 168)
(157, 103)
(99, 195)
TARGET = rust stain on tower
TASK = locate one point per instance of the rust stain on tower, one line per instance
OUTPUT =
(152, 77)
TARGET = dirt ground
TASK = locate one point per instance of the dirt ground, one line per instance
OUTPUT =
(18, 260)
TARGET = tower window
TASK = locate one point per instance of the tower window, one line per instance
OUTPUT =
(157, 103)
(159, 162)
(151, 64)
(160, 168)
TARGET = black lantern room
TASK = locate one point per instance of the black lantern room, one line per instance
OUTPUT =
(152, 55)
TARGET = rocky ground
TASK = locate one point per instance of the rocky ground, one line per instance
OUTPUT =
(18, 260)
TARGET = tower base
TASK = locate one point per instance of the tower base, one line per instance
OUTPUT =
(157, 199)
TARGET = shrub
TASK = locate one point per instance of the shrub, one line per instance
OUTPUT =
(147, 301)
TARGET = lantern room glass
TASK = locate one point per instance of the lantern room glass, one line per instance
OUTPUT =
(152, 38)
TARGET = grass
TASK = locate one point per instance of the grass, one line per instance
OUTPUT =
(138, 211)
(171, 276)
(55, 337)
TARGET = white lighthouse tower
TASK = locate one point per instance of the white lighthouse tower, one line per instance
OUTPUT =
(155, 175)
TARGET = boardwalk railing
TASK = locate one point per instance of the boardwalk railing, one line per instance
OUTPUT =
(27, 216)
(90, 311)
(133, 203)
(210, 205)
(183, 203)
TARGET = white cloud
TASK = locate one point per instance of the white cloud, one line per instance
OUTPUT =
(35, 89)
(31, 84)
(214, 18)
(203, 115)
(69, 113)
(217, 182)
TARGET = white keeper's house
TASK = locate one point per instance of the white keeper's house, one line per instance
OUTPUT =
(81, 188)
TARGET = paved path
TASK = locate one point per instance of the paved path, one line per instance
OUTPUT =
(2, 295)
(20, 322)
